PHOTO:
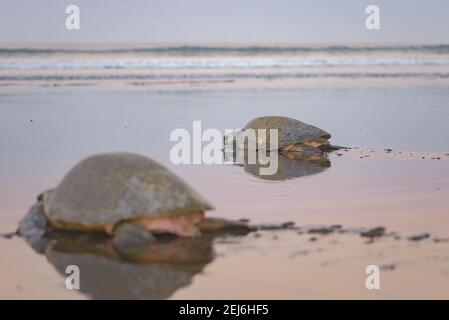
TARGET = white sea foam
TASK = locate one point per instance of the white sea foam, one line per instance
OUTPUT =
(98, 63)
(223, 63)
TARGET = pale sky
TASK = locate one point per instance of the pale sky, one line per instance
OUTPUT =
(224, 21)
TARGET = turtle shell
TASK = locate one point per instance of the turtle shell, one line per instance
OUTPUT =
(108, 188)
(290, 131)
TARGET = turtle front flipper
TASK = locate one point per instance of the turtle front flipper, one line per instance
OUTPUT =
(327, 147)
(131, 235)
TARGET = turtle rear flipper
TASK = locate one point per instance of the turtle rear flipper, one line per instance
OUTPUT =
(33, 227)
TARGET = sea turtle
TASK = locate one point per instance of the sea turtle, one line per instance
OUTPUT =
(128, 196)
(293, 136)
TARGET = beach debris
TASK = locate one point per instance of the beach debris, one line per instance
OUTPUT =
(105, 192)
(388, 267)
(299, 253)
(373, 233)
(336, 226)
(288, 224)
(9, 235)
(324, 230)
(281, 226)
(419, 237)
(321, 231)
(293, 136)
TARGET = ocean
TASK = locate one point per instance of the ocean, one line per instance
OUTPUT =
(219, 63)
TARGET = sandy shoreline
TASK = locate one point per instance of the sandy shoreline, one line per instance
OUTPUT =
(297, 263)
(366, 187)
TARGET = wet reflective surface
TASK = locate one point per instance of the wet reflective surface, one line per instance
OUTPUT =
(154, 272)
(362, 189)
(288, 165)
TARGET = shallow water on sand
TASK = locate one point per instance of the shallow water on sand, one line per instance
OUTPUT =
(43, 133)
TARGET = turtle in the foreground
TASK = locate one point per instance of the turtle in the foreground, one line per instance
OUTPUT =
(128, 196)
(293, 136)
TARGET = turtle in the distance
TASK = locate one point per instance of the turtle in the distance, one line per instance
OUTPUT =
(128, 196)
(293, 136)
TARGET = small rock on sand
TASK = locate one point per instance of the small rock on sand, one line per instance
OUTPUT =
(9, 235)
(373, 233)
(288, 224)
(285, 225)
(419, 237)
(388, 267)
(324, 230)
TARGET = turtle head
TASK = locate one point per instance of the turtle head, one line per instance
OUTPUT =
(44, 198)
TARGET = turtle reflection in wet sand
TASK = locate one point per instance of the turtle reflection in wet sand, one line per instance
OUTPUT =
(289, 165)
(154, 272)
(129, 197)
(302, 147)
